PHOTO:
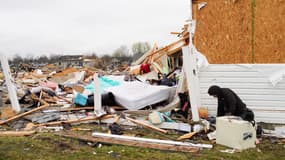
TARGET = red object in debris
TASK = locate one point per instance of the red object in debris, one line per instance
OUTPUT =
(144, 68)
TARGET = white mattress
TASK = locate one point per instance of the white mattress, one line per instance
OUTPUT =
(137, 95)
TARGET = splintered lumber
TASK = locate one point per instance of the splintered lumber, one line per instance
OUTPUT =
(186, 136)
(75, 109)
(136, 142)
(24, 114)
(75, 121)
(85, 108)
(143, 57)
(66, 100)
(16, 133)
(147, 125)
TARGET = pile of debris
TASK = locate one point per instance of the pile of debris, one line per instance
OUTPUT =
(152, 93)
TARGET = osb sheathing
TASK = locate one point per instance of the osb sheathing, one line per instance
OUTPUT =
(224, 31)
(269, 31)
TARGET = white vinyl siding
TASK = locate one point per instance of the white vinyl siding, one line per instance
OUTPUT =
(253, 87)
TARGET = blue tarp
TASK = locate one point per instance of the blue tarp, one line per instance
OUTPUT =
(104, 83)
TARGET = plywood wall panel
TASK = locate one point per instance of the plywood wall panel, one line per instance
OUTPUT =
(269, 31)
(223, 31)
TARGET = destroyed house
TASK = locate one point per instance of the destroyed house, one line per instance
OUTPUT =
(70, 60)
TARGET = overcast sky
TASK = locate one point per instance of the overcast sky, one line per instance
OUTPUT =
(33, 27)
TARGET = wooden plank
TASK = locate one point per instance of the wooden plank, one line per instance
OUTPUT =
(75, 109)
(143, 57)
(121, 141)
(186, 136)
(146, 125)
(166, 48)
(16, 133)
(24, 114)
(150, 141)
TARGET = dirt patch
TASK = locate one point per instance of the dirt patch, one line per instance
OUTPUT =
(58, 144)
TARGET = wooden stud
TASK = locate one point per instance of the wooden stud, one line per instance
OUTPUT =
(137, 142)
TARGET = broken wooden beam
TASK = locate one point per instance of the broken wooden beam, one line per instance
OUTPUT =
(136, 142)
(146, 125)
(16, 133)
(75, 109)
(150, 141)
(24, 114)
(186, 136)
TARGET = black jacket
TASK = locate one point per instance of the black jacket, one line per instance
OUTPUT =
(229, 102)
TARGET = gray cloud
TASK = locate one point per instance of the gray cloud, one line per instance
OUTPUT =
(70, 26)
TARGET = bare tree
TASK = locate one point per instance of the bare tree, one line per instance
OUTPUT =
(140, 48)
(122, 51)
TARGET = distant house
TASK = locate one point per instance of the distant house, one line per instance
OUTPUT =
(89, 62)
(70, 60)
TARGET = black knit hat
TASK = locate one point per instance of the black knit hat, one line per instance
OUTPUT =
(215, 91)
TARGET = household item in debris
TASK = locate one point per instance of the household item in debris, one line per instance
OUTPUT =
(144, 68)
(115, 129)
(137, 95)
(108, 99)
(80, 99)
(203, 112)
(212, 135)
(155, 117)
(234, 132)
(105, 82)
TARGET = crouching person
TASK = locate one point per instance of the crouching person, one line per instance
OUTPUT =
(229, 103)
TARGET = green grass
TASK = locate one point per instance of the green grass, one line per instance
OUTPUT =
(47, 146)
